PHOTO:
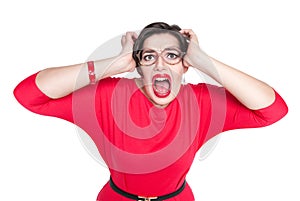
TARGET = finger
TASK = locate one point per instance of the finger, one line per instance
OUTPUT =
(127, 42)
(123, 40)
(130, 36)
(190, 34)
(134, 36)
(187, 32)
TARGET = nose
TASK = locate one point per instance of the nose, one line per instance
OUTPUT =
(159, 63)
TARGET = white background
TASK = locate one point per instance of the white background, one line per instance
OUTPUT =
(42, 157)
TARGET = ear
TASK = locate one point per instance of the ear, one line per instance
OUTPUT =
(139, 71)
(185, 69)
(185, 66)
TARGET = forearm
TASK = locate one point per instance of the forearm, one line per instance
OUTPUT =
(58, 82)
(251, 92)
(61, 81)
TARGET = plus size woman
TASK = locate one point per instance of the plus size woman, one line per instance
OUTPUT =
(148, 129)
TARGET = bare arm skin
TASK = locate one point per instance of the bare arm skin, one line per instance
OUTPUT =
(251, 92)
(58, 82)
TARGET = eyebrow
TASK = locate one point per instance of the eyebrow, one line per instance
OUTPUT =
(148, 51)
(168, 48)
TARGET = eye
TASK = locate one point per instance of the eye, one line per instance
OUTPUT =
(148, 57)
(172, 56)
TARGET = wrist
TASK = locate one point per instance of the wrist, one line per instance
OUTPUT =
(91, 72)
(203, 63)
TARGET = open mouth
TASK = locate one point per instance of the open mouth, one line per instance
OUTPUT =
(161, 84)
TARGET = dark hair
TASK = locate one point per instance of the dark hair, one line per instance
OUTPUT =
(157, 28)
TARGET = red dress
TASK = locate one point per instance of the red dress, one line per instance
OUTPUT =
(148, 150)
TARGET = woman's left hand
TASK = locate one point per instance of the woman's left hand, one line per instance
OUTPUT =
(251, 92)
(194, 57)
(193, 48)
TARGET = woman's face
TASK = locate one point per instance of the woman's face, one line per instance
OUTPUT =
(162, 68)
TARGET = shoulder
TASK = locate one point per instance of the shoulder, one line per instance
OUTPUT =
(115, 85)
(205, 92)
(112, 82)
(203, 88)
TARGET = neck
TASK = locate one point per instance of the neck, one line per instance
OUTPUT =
(140, 84)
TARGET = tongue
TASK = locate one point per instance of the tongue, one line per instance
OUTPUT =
(162, 86)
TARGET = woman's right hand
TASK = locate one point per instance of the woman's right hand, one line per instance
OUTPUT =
(125, 61)
(60, 81)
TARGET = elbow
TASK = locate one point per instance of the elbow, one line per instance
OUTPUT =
(273, 113)
(280, 107)
(19, 94)
(22, 98)
(279, 113)
(28, 95)
(283, 111)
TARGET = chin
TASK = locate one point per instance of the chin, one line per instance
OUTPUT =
(161, 101)
(162, 89)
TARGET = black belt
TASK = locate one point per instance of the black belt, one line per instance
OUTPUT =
(142, 198)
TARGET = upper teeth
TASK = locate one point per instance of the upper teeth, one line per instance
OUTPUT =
(161, 79)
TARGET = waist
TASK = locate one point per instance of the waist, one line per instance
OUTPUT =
(143, 197)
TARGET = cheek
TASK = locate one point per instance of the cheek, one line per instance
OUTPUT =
(178, 73)
(139, 70)
(147, 78)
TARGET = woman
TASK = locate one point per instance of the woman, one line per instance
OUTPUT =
(148, 129)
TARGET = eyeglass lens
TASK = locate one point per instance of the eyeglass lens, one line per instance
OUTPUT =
(170, 56)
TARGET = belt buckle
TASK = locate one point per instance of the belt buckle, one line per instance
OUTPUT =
(147, 198)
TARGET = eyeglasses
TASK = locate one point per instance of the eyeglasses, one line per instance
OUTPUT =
(171, 56)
